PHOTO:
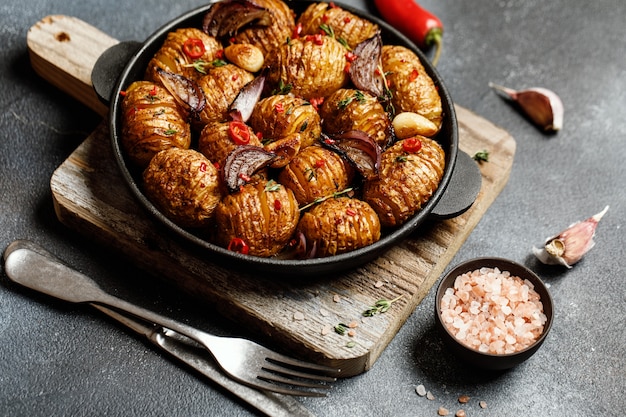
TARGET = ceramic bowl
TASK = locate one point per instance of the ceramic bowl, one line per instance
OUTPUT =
(473, 356)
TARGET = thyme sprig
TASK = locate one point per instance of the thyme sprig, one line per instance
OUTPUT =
(381, 306)
(482, 156)
(320, 199)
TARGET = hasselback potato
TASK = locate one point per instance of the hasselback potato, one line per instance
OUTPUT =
(180, 50)
(349, 109)
(217, 140)
(413, 89)
(346, 26)
(278, 116)
(410, 173)
(220, 86)
(316, 172)
(184, 185)
(309, 67)
(267, 38)
(151, 122)
(262, 215)
(339, 225)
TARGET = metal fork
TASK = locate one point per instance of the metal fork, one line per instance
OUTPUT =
(243, 360)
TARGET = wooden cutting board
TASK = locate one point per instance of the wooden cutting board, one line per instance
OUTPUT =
(294, 315)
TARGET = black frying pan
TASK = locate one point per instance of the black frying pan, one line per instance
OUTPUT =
(118, 67)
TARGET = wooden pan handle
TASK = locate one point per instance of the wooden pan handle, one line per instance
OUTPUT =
(63, 50)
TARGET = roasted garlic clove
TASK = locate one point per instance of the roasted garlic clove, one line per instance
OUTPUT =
(569, 246)
(542, 106)
(245, 56)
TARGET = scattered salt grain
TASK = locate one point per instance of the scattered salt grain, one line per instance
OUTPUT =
(482, 404)
(420, 390)
(430, 396)
(493, 312)
(378, 284)
(326, 329)
(464, 399)
(298, 316)
(443, 411)
(336, 298)
(460, 413)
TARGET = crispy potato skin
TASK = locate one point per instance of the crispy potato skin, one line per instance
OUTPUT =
(171, 57)
(340, 225)
(263, 214)
(184, 185)
(347, 26)
(413, 89)
(349, 109)
(267, 38)
(151, 122)
(312, 70)
(405, 182)
(278, 116)
(316, 172)
(221, 86)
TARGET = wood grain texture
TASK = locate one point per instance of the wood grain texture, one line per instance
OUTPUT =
(296, 316)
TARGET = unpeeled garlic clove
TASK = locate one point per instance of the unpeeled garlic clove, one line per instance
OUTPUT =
(544, 107)
(569, 246)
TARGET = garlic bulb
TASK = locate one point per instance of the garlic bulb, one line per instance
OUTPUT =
(569, 246)
(542, 106)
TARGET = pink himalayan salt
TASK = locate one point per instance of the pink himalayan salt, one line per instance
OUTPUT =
(493, 312)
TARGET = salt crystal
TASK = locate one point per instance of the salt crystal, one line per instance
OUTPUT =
(420, 390)
(430, 396)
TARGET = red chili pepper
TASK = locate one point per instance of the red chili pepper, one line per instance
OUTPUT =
(203, 167)
(237, 244)
(277, 204)
(239, 133)
(415, 22)
(350, 212)
(411, 145)
(194, 48)
(297, 31)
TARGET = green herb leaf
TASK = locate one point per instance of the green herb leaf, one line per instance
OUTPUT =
(320, 199)
(272, 186)
(341, 328)
(170, 132)
(482, 156)
(381, 306)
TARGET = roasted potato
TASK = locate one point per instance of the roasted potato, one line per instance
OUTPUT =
(340, 225)
(346, 26)
(184, 185)
(309, 67)
(349, 109)
(267, 38)
(180, 50)
(219, 139)
(316, 172)
(413, 89)
(410, 173)
(220, 86)
(278, 116)
(151, 122)
(263, 215)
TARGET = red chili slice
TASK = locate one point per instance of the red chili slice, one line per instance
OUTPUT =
(239, 133)
(194, 48)
(237, 244)
(412, 145)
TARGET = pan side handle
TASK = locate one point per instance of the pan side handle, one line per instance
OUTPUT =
(63, 50)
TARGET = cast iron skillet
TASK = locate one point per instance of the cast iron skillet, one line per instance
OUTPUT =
(462, 187)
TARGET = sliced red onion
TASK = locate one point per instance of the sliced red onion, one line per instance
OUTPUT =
(242, 107)
(357, 147)
(226, 17)
(186, 92)
(242, 163)
(363, 71)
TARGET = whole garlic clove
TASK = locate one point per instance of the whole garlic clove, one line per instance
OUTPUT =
(569, 246)
(245, 56)
(544, 107)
